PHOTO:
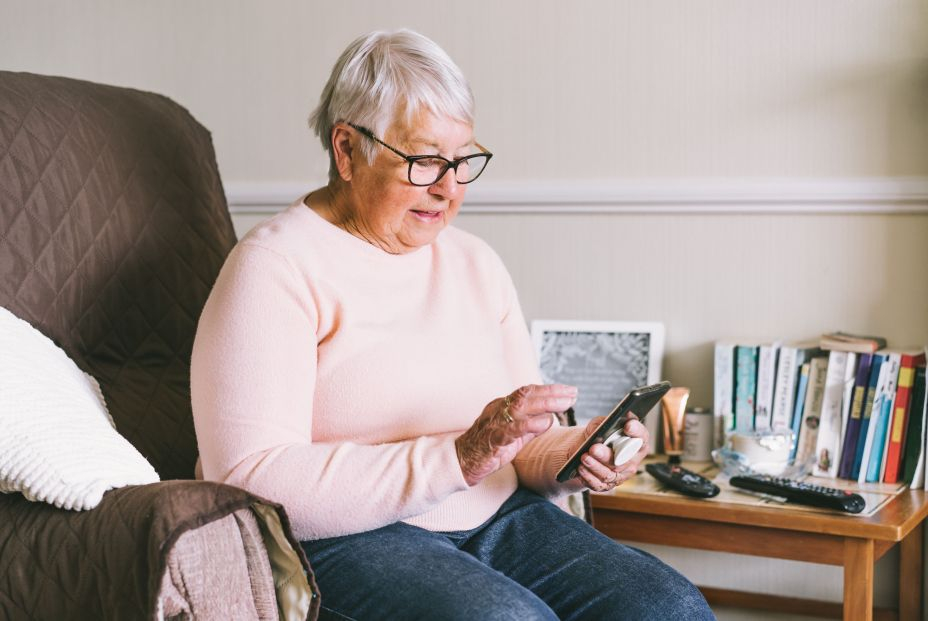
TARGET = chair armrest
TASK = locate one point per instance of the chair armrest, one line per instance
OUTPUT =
(192, 588)
(110, 562)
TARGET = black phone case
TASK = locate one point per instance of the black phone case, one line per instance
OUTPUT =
(639, 401)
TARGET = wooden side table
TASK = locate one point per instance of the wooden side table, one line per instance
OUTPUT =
(854, 543)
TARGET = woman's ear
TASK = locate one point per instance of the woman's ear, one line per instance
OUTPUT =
(342, 150)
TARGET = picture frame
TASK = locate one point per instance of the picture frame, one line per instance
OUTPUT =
(604, 359)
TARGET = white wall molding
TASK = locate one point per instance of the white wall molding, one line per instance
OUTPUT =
(889, 195)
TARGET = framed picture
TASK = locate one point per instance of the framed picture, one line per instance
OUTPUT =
(603, 359)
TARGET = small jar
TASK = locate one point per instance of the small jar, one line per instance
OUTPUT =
(698, 434)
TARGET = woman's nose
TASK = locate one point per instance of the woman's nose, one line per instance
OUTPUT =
(447, 186)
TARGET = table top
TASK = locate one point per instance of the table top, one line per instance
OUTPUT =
(890, 523)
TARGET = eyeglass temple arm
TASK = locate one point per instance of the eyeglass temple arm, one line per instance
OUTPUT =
(406, 157)
(370, 134)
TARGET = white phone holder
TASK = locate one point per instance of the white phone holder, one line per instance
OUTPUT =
(624, 448)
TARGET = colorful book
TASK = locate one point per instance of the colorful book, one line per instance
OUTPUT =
(913, 435)
(879, 420)
(918, 481)
(792, 356)
(766, 377)
(876, 365)
(850, 379)
(875, 398)
(852, 431)
(800, 406)
(811, 411)
(894, 392)
(745, 386)
(828, 444)
(879, 425)
(724, 389)
(907, 363)
(852, 342)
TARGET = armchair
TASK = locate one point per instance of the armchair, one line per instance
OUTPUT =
(113, 227)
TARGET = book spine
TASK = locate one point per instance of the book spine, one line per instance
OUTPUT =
(875, 397)
(893, 391)
(800, 407)
(850, 376)
(785, 389)
(879, 441)
(745, 386)
(852, 342)
(828, 444)
(766, 376)
(918, 480)
(724, 390)
(882, 412)
(900, 411)
(876, 367)
(849, 452)
(812, 411)
(913, 435)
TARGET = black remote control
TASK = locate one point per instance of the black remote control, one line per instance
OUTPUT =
(683, 480)
(802, 493)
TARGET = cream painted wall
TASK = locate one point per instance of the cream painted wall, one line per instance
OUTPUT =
(606, 88)
(578, 93)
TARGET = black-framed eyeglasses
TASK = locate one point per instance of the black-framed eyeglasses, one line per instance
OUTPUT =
(429, 169)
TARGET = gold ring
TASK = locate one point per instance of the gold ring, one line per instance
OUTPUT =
(507, 416)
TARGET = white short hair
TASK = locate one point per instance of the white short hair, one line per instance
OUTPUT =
(382, 73)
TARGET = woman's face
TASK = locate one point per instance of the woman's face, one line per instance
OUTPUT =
(386, 208)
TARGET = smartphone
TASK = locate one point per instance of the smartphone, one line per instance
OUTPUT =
(639, 401)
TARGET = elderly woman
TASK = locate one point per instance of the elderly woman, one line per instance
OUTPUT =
(368, 366)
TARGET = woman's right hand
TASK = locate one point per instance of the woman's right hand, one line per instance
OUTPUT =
(506, 425)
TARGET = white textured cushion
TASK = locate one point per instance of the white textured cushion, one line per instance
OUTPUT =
(58, 443)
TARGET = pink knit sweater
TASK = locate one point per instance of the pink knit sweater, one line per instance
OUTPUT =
(333, 377)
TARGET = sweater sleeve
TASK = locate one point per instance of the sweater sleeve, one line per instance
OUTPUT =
(253, 375)
(538, 462)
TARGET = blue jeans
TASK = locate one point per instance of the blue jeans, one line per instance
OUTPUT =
(530, 561)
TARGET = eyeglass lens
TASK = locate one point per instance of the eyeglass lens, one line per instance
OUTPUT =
(426, 171)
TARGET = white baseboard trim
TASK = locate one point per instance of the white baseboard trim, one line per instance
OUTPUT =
(887, 195)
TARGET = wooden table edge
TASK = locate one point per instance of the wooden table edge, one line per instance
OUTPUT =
(892, 522)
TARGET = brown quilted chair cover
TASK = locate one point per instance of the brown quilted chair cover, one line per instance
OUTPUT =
(113, 228)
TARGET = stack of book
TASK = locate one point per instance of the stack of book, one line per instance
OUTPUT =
(857, 410)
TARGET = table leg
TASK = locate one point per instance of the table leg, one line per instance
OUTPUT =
(858, 579)
(911, 575)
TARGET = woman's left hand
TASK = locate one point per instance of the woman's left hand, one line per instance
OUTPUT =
(597, 470)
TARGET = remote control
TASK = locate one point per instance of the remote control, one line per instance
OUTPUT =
(802, 493)
(683, 480)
